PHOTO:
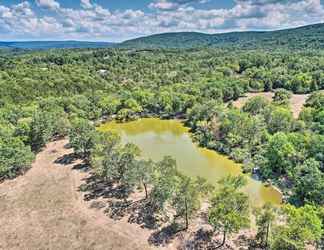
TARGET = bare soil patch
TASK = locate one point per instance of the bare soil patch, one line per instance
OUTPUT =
(296, 102)
(44, 210)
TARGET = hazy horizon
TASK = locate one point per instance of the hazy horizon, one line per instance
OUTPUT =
(116, 42)
(116, 21)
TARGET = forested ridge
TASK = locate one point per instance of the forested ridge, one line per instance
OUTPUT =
(310, 37)
(305, 37)
(57, 93)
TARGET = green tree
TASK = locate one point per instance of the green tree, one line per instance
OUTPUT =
(279, 120)
(256, 105)
(188, 196)
(164, 184)
(109, 105)
(309, 183)
(303, 226)
(126, 162)
(265, 218)
(282, 97)
(42, 128)
(229, 210)
(15, 157)
(143, 174)
(280, 154)
(82, 135)
(103, 155)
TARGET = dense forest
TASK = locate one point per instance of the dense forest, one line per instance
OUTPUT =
(57, 93)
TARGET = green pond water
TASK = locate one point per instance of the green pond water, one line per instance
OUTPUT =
(158, 138)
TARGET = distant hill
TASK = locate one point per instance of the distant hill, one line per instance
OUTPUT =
(35, 45)
(311, 36)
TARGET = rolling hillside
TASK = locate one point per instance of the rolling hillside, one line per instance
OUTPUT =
(311, 36)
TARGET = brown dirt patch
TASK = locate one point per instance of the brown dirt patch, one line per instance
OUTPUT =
(44, 210)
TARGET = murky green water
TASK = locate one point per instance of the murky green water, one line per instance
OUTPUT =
(157, 138)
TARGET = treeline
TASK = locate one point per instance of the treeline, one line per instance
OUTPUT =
(169, 193)
(62, 73)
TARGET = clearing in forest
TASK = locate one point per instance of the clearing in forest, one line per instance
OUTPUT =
(297, 101)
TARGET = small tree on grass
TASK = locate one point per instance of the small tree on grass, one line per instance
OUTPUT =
(103, 155)
(164, 182)
(188, 196)
(143, 174)
(229, 211)
(112, 161)
(82, 135)
(126, 162)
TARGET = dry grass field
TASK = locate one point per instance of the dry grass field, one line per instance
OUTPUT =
(44, 210)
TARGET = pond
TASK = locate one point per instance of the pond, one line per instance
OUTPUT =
(158, 138)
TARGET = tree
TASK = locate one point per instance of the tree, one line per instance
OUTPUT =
(143, 174)
(103, 155)
(164, 182)
(309, 183)
(265, 217)
(279, 119)
(256, 105)
(41, 129)
(303, 225)
(188, 195)
(229, 211)
(126, 162)
(282, 97)
(112, 161)
(280, 153)
(81, 136)
(109, 105)
(15, 157)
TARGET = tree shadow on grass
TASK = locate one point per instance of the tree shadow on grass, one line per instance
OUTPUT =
(119, 203)
(70, 159)
(143, 214)
(66, 159)
(116, 202)
(201, 239)
(96, 188)
(164, 236)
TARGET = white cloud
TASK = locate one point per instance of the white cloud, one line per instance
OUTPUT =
(86, 4)
(92, 21)
(48, 4)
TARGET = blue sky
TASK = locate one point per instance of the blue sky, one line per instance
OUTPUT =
(117, 20)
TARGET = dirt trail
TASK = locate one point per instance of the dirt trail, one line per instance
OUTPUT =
(44, 210)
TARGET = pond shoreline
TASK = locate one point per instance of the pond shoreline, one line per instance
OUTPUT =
(212, 155)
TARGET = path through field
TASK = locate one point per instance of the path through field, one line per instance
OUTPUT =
(44, 210)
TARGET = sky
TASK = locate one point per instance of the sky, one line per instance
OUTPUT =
(119, 20)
